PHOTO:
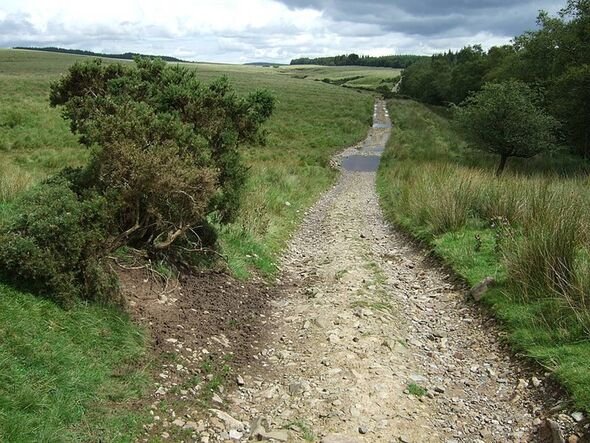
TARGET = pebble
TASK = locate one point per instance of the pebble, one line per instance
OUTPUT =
(578, 416)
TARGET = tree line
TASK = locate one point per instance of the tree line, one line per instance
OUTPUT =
(124, 56)
(553, 61)
(387, 61)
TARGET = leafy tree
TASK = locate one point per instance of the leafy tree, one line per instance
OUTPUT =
(468, 74)
(569, 98)
(506, 119)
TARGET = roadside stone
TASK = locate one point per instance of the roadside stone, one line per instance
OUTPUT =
(240, 381)
(228, 420)
(479, 290)
(416, 378)
(235, 435)
(281, 436)
(578, 417)
(178, 422)
(296, 388)
(363, 430)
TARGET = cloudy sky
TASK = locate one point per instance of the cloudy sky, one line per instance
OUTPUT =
(266, 30)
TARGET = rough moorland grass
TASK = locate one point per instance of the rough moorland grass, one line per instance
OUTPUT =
(526, 229)
(58, 381)
(63, 374)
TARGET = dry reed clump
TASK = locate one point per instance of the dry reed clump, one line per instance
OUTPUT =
(12, 182)
(546, 232)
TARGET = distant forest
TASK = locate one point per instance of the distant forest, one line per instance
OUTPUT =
(554, 60)
(125, 56)
(386, 61)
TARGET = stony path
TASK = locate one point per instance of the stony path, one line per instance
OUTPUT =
(369, 343)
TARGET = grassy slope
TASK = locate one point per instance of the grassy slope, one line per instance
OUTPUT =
(57, 379)
(349, 76)
(60, 372)
(428, 186)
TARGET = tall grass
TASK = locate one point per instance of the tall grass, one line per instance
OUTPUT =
(13, 180)
(529, 229)
(548, 236)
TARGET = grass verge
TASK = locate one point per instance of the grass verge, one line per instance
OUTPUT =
(66, 375)
(526, 230)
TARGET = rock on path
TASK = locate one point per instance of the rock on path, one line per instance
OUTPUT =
(368, 343)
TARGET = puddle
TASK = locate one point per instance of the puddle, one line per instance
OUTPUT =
(361, 163)
(381, 125)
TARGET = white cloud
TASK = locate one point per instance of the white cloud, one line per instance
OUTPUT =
(232, 30)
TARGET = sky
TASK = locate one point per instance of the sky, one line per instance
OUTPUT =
(239, 31)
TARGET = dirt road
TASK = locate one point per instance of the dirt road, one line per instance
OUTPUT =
(364, 339)
(369, 342)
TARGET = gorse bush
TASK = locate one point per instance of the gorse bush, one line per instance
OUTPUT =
(168, 145)
(165, 157)
(54, 242)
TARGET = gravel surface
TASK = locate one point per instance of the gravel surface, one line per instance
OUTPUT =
(366, 340)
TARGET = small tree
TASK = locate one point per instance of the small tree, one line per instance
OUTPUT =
(506, 119)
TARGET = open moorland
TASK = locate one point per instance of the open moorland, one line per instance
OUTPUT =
(60, 378)
(200, 252)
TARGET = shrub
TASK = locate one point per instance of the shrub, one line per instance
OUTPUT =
(54, 242)
(166, 146)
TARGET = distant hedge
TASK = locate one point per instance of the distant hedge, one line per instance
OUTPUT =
(387, 61)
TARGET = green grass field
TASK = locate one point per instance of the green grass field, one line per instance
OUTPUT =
(527, 229)
(349, 76)
(59, 380)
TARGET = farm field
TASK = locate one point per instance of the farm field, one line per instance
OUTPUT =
(312, 121)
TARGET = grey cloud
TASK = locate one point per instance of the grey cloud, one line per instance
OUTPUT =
(435, 17)
(16, 25)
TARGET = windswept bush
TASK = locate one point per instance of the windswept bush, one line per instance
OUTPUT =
(165, 156)
(167, 145)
